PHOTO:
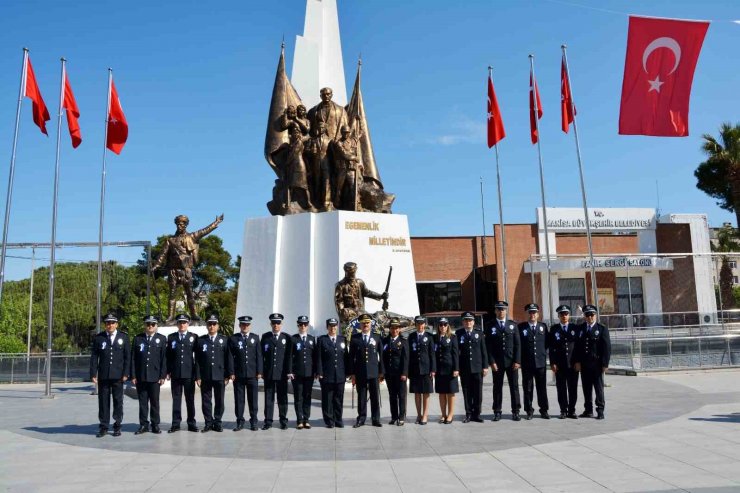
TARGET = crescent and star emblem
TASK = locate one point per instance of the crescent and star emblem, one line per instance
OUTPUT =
(663, 42)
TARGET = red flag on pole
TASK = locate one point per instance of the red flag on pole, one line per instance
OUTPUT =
(40, 113)
(658, 72)
(117, 125)
(73, 113)
(532, 122)
(567, 108)
(496, 130)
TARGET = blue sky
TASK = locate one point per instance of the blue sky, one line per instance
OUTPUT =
(195, 80)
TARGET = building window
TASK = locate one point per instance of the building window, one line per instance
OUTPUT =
(439, 296)
(572, 292)
(733, 264)
(624, 290)
(734, 279)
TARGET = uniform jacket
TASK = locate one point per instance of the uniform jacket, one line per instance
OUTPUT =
(594, 347)
(247, 356)
(110, 361)
(473, 353)
(447, 355)
(275, 356)
(149, 359)
(365, 359)
(303, 356)
(503, 344)
(534, 345)
(332, 359)
(213, 360)
(421, 354)
(180, 355)
(561, 344)
(396, 356)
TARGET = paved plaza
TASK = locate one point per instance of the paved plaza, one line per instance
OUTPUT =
(663, 433)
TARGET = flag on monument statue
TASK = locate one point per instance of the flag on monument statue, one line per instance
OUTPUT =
(658, 72)
(117, 125)
(73, 113)
(567, 108)
(496, 130)
(534, 90)
(31, 91)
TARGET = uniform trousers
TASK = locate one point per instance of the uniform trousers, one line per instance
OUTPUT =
(148, 393)
(397, 391)
(279, 387)
(566, 381)
(472, 385)
(332, 401)
(178, 386)
(302, 387)
(212, 415)
(531, 378)
(365, 385)
(592, 380)
(512, 377)
(248, 386)
(106, 389)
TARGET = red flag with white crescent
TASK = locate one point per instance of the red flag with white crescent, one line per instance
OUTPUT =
(532, 123)
(117, 124)
(31, 91)
(567, 108)
(496, 130)
(73, 113)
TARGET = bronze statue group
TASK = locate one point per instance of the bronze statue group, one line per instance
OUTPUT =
(422, 363)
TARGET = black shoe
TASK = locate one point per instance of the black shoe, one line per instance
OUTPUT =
(586, 414)
(116, 432)
(477, 419)
(252, 427)
(393, 422)
(358, 424)
(239, 427)
(529, 416)
(572, 416)
(599, 415)
(306, 425)
(378, 424)
(339, 424)
(206, 429)
(101, 432)
(329, 425)
(142, 429)
(192, 428)
(283, 426)
(174, 429)
(266, 426)
(516, 417)
(562, 416)
(467, 419)
(496, 416)
(544, 415)
(218, 428)
(156, 430)
(400, 422)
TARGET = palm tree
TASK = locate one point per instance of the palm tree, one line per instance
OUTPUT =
(719, 175)
(727, 241)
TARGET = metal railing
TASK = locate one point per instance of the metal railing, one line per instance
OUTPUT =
(676, 352)
(18, 368)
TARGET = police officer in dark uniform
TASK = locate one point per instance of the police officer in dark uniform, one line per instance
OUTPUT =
(561, 345)
(367, 369)
(504, 357)
(533, 335)
(422, 367)
(181, 371)
(213, 370)
(247, 367)
(109, 368)
(276, 363)
(148, 372)
(473, 366)
(592, 354)
(396, 364)
(302, 371)
(331, 364)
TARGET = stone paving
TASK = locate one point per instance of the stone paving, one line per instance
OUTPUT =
(669, 432)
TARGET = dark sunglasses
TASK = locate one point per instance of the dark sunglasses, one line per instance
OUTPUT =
(302, 325)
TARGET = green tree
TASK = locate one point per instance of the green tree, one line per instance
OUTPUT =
(719, 175)
(727, 241)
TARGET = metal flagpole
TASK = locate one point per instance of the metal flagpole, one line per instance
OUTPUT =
(483, 211)
(102, 207)
(52, 261)
(501, 227)
(583, 186)
(542, 186)
(30, 309)
(9, 196)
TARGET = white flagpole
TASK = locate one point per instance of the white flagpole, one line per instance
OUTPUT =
(50, 319)
(102, 207)
(11, 176)
(542, 187)
(594, 292)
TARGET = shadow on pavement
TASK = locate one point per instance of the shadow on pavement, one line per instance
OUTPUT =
(721, 418)
(78, 429)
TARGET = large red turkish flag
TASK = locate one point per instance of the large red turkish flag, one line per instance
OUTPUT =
(31, 91)
(496, 130)
(117, 124)
(658, 72)
(73, 113)
(534, 91)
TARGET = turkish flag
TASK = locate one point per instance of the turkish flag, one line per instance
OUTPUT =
(658, 71)
(496, 130)
(567, 108)
(40, 113)
(117, 125)
(532, 122)
(73, 113)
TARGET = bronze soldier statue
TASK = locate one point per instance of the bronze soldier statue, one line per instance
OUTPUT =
(179, 256)
(348, 171)
(350, 294)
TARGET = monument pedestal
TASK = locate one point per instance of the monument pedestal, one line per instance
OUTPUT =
(290, 265)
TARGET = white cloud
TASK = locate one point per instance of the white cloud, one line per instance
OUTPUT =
(463, 130)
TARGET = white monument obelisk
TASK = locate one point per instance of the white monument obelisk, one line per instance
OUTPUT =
(318, 55)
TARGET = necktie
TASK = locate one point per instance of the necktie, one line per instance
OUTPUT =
(501, 324)
(333, 341)
(365, 340)
(182, 336)
(213, 339)
(112, 339)
(565, 328)
(304, 340)
(148, 339)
